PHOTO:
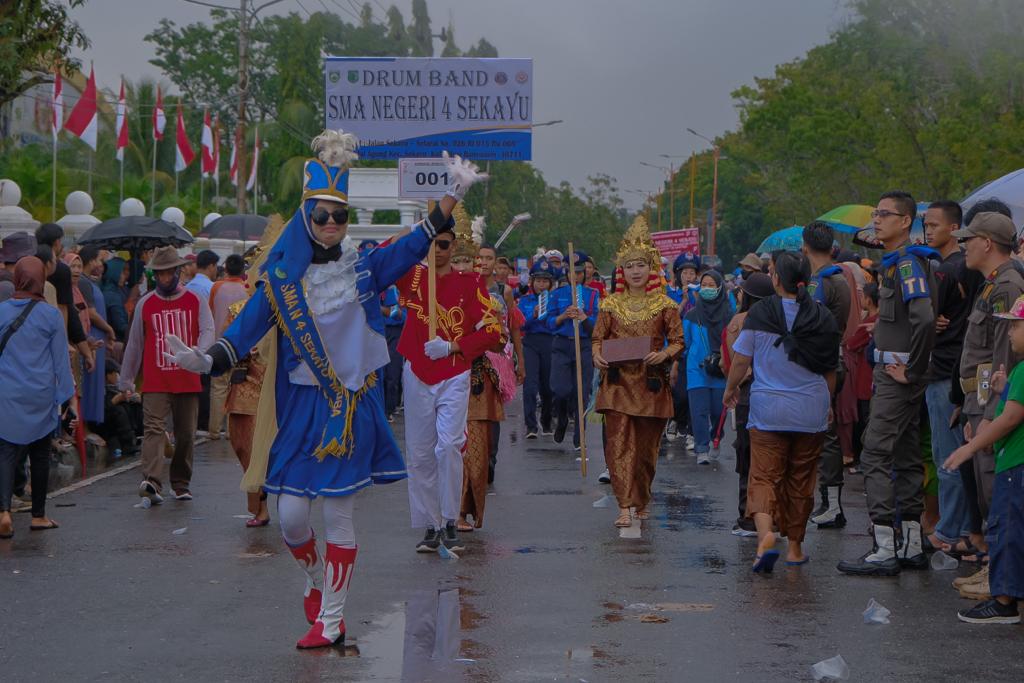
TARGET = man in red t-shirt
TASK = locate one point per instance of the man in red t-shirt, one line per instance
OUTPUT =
(167, 389)
(435, 387)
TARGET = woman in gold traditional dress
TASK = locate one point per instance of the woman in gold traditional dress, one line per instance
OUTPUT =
(635, 396)
(241, 407)
(485, 405)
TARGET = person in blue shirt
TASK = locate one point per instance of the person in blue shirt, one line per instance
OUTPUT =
(705, 381)
(394, 319)
(537, 339)
(683, 291)
(37, 380)
(564, 309)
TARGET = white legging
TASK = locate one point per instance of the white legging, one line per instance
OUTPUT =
(293, 514)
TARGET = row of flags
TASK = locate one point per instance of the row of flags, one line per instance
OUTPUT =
(81, 122)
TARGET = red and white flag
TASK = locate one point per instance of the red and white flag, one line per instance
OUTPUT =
(255, 162)
(216, 146)
(121, 127)
(233, 162)
(185, 153)
(57, 104)
(159, 118)
(206, 146)
(82, 120)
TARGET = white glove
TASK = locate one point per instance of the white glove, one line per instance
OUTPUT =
(191, 359)
(464, 174)
(437, 348)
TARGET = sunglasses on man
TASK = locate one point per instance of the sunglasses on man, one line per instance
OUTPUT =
(321, 216)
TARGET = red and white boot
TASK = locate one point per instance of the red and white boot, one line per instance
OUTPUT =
(329, 628)
(309, 560)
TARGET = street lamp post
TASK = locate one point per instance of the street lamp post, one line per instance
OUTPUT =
(713, 227)
(668, 174)
(672, 185)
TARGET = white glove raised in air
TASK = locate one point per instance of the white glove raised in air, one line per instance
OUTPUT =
(191, 359)
(464, 174)
(437, 348)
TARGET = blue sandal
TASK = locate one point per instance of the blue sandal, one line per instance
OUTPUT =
(766, 562)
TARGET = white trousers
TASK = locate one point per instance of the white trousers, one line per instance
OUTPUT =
(435, 432)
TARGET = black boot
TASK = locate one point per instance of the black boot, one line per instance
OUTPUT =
(881, 561)
(832, 516)
(561, 421)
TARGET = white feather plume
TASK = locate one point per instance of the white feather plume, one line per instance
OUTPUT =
(335, 148)
(477, 229)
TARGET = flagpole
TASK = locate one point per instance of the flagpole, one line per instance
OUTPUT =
(53, 194)
(152, 184)
(201, 183)
(177, 196)
(121, 193)
(89, 181)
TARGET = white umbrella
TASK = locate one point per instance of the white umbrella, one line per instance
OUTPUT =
(1009, 189)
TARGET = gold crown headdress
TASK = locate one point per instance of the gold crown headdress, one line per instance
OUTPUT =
(637, 244)
(464, 245)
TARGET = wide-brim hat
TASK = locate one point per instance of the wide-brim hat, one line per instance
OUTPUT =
(752, 261)
(165, 258)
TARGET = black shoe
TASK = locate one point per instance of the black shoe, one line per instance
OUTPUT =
(823, 505)
(531, 435)
(861, 567)
(560, 428)
(430, 542)
(451, 538)
(991, 612)
(919, 561)
(745, 528)
(837, 522)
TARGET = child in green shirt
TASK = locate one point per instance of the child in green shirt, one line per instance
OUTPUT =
(1005, 532)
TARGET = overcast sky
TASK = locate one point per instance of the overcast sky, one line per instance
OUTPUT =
(626, 76)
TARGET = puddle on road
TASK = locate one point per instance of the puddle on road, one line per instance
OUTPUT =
(530, 549)
(423, 639)
(555, 492)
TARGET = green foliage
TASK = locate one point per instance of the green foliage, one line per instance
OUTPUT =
(34, 36)
(921, 95)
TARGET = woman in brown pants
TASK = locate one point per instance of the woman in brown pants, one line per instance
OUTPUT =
(792, 344)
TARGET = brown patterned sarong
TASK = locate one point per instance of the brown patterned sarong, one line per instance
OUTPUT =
(631, 453)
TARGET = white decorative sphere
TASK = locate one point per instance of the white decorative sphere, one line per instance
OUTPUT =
(210, 217)
(133, 207)
(78, 203)
(10, 193)
(173, 214)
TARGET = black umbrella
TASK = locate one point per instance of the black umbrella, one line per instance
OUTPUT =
(236, 226)
(135, 234)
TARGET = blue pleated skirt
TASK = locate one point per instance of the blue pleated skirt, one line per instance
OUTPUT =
(293, 469)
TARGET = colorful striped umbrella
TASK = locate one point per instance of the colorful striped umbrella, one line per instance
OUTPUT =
(848, 218)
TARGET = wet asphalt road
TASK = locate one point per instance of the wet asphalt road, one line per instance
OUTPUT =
(548, 590)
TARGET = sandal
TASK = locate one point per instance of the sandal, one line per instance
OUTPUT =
(257, 522)
(44, 527)
(642, 513)
(464, 527)
(623, 520)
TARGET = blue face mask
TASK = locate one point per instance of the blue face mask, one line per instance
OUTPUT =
(709, 293)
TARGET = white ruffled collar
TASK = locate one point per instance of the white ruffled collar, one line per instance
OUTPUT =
(329, 286)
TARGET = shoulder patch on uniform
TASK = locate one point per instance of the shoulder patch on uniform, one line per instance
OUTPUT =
(1000, 303)
(913, 280)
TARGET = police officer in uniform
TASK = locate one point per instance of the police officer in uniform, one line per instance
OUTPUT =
(989, 241)
(904, 337)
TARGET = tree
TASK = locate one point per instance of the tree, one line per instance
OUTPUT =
(36, 36)
(420, 31)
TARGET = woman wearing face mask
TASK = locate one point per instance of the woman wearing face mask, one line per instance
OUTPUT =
(705, 380)
(635, 397)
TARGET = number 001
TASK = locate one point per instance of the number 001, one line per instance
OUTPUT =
(431, 178)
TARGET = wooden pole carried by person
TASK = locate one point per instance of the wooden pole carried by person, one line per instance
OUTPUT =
(431, 285)
(580, 418)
